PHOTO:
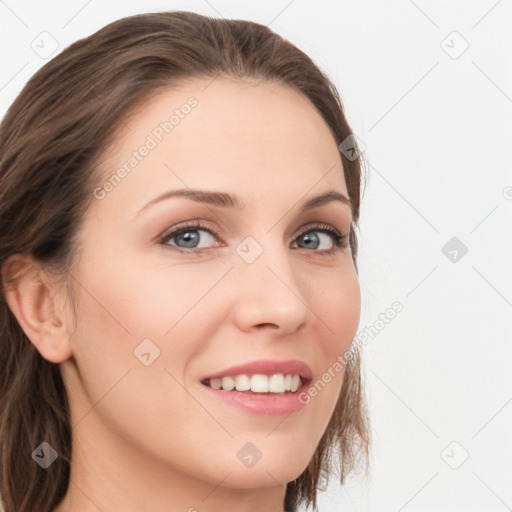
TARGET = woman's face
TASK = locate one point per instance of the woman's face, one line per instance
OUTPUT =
(259, 282)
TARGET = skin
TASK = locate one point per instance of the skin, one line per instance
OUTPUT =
(151, 437)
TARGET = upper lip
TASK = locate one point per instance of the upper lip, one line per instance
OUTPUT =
(266, 367)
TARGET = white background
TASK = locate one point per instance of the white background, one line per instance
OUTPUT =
(437, 129)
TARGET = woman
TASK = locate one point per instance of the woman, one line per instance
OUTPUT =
(178, 204)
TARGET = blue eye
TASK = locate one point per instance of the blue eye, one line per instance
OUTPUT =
(313, 240)
(187, 238)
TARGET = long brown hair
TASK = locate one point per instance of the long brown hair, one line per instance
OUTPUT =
(51, 142)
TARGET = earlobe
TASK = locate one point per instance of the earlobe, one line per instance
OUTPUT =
(30, 296)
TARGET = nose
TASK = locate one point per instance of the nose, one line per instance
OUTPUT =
(269, 293)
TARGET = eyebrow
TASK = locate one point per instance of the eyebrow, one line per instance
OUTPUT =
(225, 200)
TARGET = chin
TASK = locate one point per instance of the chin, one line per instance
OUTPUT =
(276, 470)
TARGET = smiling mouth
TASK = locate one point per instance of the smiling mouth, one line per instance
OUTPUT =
(249, 392)
(258, 384)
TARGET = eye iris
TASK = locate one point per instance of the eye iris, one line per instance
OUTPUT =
(311, 237)
(190, 236)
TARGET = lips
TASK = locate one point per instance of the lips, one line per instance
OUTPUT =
(266, 367)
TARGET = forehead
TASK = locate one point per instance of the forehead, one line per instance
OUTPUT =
(255, 139)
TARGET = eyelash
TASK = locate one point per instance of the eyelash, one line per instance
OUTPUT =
(340, 240)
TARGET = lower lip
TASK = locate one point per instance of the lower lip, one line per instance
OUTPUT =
(269, 404)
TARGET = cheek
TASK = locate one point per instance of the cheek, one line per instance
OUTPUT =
(338, 306)
(138, 300)
(115, 315)
(341, 305)
(122, 306)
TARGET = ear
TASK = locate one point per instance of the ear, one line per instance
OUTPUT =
(30, 296)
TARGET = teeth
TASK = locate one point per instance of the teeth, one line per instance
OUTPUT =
(295, 383)
(243, 383)
(276, 383)
(216, 383)
(228, 383)
(258, 383)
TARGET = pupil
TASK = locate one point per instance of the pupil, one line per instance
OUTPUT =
(191, 238)
(308, 237)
